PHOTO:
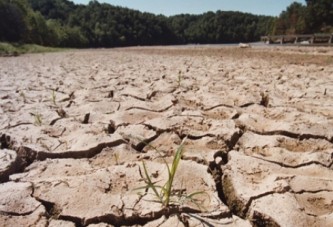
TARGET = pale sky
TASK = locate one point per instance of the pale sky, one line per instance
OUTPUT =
(172, 7)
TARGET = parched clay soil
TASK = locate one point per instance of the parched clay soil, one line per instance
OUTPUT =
(76, 126)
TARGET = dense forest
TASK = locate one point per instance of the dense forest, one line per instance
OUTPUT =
(314, 17)
(62, 23)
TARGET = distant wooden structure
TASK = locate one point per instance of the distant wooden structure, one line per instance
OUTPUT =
(314, 39)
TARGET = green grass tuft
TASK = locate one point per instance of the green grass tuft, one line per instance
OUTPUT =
(54, 98)
(165, 194)
(180, 78)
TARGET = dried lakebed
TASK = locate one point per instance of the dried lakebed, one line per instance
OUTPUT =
(76, 126)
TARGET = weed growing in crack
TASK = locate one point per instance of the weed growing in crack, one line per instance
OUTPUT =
(180, 78)
(166, 194)
(23, 96)
(116, 158)
(38, 118)
(54, 98)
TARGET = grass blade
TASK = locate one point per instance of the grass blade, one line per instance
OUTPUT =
(165, 194)
(149, 183)
(172, 173)
(196, 202)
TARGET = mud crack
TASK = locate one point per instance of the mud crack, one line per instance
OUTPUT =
(150, 110)
(217, 106)
(142, 144)
(134, 96)
(79, 154)
(135, 219)
(214, 168)
(288, 134)
(293, 166)
(16, 125)
(6, 213)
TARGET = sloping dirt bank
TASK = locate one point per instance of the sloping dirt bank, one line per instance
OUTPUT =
(76, 126)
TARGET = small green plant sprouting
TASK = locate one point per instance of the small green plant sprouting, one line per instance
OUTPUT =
(38, 119)
(116, 158)
(23, 96)
(165, 193)
(54, 98)
(180, 78)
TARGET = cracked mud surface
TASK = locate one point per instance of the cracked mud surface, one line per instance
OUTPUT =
(76, 126)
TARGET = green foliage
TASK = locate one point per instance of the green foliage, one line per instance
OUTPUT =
(53, 9)
(37, 29)
(7, 49)
(291, 21)
(23, 96)
(220, 27)
(319, 16)
(314, 17)
(54, 98)
(14, 49)
(180, 78)
(165, 194)
(116, 158)
(65, 36)
(62, 23)
(38, 119)
(12, 21)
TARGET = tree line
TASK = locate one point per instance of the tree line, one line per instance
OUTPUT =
(62, 23)
(314, 17)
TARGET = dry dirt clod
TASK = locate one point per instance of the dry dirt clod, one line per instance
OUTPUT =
(86, 118)
(111, 127)
(61, 112)
(270, 166)
(264, 99)
(5, 141)
(9, 164)
(110, 94)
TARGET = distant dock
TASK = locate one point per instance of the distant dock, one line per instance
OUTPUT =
(314, 39)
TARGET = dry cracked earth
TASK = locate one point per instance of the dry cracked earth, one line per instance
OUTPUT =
(76, 126)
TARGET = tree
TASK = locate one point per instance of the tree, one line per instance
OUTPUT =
(292, 21)
(320, 15)
(53, 9)
(12, 22)
(62, 23)
(37, 31)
